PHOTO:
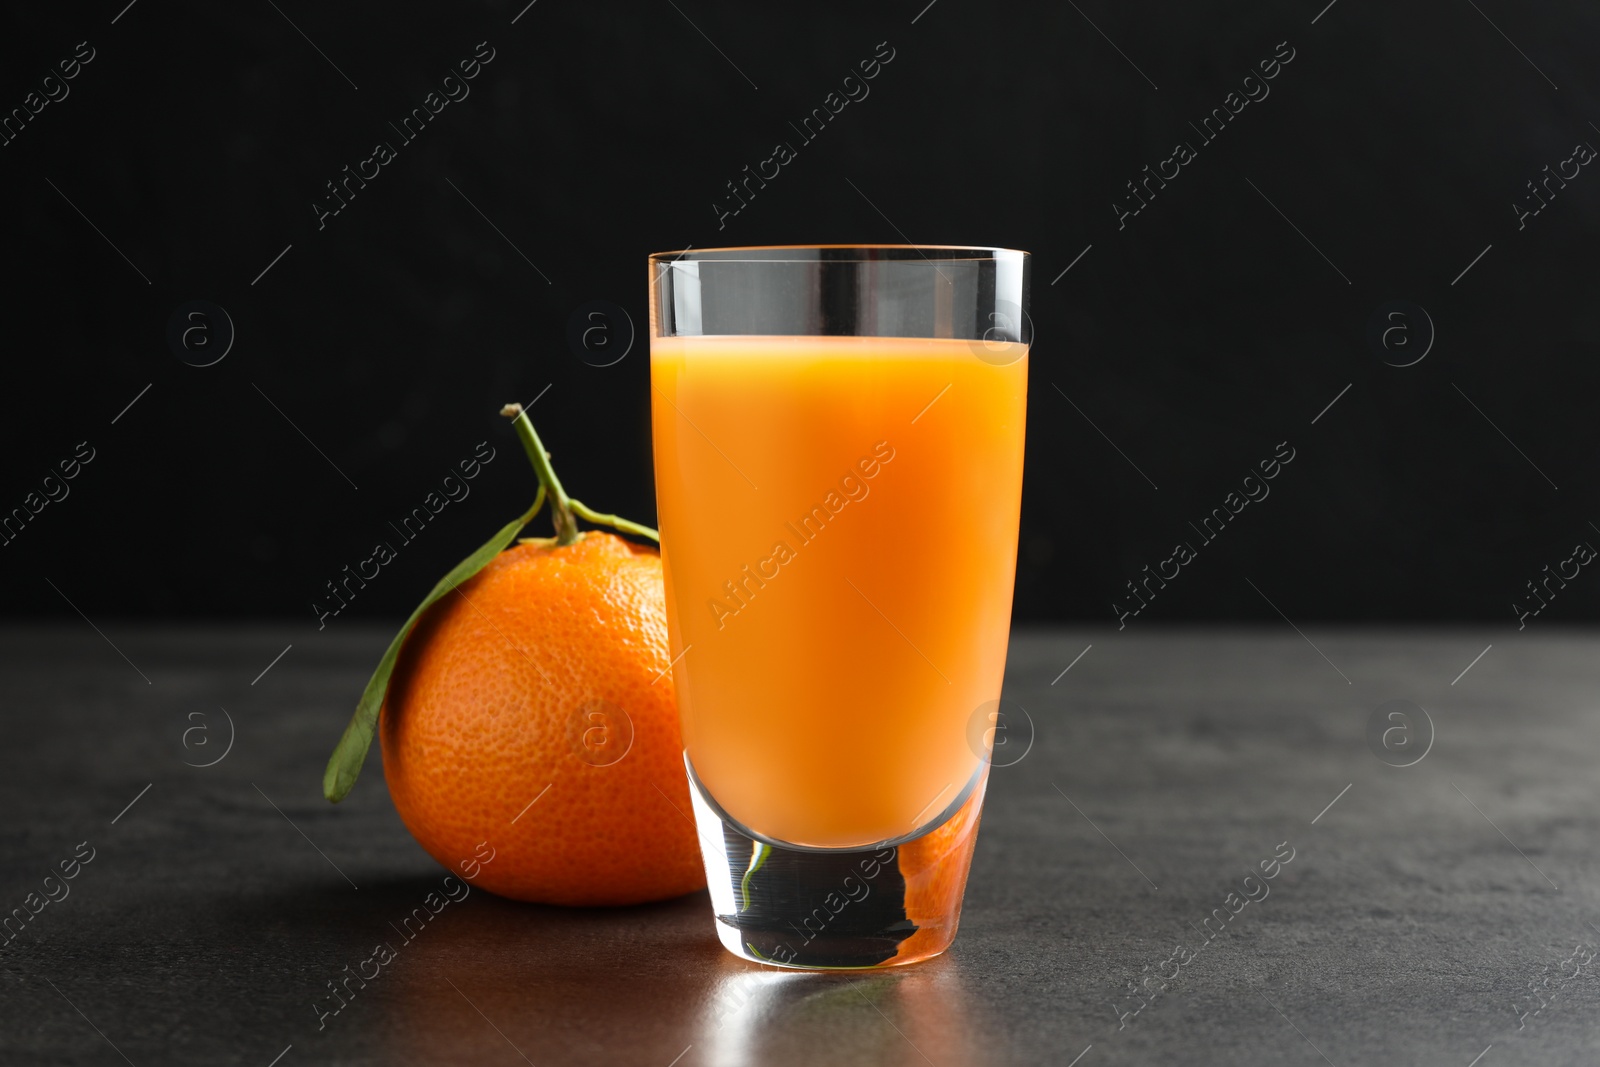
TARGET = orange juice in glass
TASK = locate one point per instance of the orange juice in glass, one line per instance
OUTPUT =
(838, 441)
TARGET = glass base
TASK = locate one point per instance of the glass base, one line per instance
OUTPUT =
(837, 909)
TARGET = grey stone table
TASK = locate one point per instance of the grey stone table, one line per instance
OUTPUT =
(1436, 913)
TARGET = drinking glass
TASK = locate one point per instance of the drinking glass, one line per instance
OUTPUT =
(838, 439)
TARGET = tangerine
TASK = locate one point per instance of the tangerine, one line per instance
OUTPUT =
(534, 710)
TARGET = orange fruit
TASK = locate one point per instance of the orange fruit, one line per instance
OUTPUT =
(533, 710)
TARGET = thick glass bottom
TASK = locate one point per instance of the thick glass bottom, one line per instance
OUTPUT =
(838, 909)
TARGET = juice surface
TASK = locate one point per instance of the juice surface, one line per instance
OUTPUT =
(839, 529)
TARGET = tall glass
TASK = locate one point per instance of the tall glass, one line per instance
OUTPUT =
(838, 453)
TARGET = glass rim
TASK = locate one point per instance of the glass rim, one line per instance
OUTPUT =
(733, 253)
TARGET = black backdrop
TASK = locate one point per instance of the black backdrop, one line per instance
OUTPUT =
(1184, 343)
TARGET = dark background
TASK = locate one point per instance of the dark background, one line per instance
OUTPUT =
(1196, 338)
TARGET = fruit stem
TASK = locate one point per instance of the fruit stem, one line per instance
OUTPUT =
(560, 504)
(616, 521)
(564, 509)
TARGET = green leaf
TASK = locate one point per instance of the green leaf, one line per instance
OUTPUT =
(344, 766)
